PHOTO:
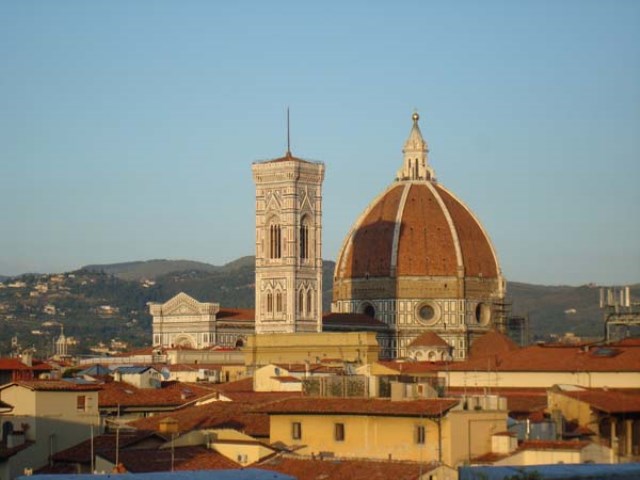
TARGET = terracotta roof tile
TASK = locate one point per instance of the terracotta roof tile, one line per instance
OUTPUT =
(287, 379)
(257, 398)
(238, 416)
(159, 460)
(10, 452)
(526, 403)
(629, 342)
(242, 385)
(138, 351)
(173, 394)
(372, 240)
(477, 254)
(429, 339)
(53, 386)
(16, 364)
(239, 314)
(425, 246)
(555, 358)
(81, 453)
(342, 468)
(489, 458)
(552, 445)
(361, 406)
(607, 401)
(414, 368)
(190, 367)
(242, 391)
(491, 343)
(520, 401)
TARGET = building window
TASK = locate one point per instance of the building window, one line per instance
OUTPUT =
(304, 241)
(296, 430)
(483, 313)
(269, 302)
(309, 302)
(420, 434)
(278, 302)
(369, 310)
(275, 249)
(300, 302)
(81, 403)
(338, 432)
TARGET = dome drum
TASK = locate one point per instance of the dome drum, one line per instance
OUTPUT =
(481, 289)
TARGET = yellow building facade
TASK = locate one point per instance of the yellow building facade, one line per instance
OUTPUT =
(354, 347)
(52, 414)
(435, 430)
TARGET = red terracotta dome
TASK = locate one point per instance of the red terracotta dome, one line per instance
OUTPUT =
(417, 228)
(419, 260)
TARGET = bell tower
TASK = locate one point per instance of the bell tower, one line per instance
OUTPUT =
(288, 245)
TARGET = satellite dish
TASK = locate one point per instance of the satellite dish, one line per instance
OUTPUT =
(165, 373)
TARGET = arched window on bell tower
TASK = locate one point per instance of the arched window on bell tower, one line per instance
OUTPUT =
(301, 301)
(304, 238)
(269, 302)
(309, 302)
(275, 240)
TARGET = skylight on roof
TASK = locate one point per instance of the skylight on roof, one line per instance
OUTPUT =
(605, 352)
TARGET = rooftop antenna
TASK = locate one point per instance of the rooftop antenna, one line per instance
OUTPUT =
(288, 135)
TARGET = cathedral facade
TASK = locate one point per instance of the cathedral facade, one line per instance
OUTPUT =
(421, 262)
(184, 322)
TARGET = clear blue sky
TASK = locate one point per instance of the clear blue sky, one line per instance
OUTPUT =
(128, 128)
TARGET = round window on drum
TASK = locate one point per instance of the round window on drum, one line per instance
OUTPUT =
(428, 313)
(483, 313)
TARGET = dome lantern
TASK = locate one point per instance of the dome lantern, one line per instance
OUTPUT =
(415, 164)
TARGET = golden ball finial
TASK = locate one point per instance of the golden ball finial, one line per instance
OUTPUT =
(415, 117)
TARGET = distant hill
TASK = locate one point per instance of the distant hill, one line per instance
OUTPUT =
(232, 285)
(150, 269)
(4, 277)
(559, 309)
(551, 310)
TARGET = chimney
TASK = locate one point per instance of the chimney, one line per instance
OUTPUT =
(27, 358)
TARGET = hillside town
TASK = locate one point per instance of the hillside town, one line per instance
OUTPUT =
(414, 373)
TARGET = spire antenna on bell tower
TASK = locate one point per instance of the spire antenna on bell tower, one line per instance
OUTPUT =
(288, 281)
(288, 135)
